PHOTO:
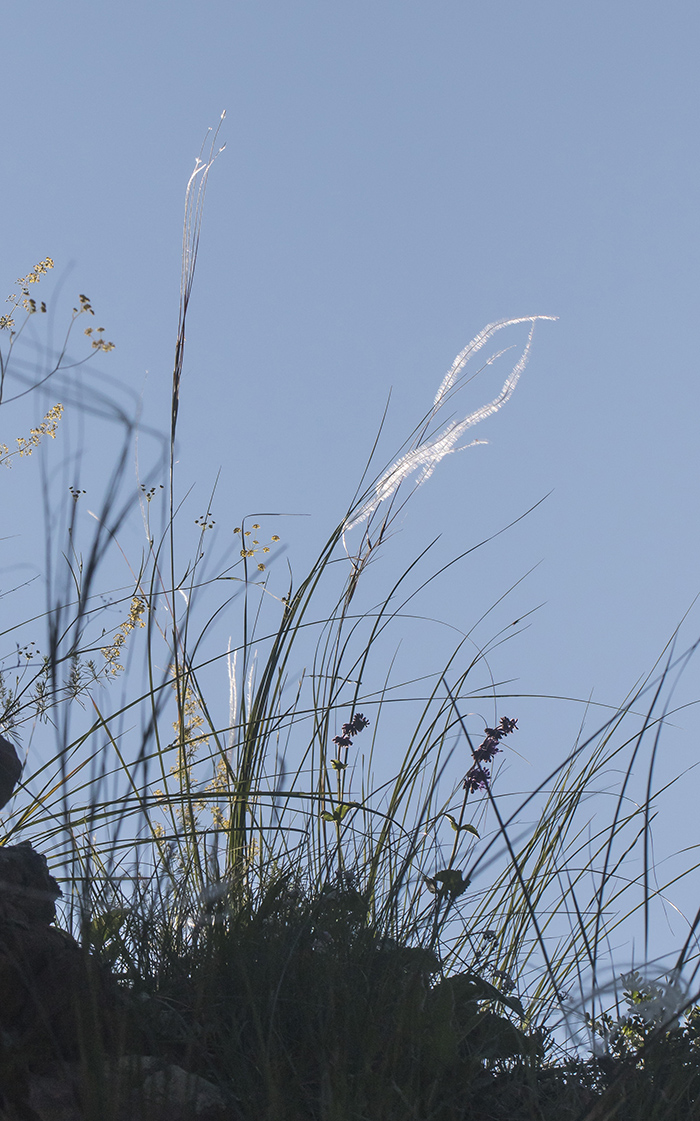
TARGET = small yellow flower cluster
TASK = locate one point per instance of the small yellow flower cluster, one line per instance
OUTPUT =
(22, 297)
(220, 784)
(24, 300)
(246, 551)
(192, 736)
(219, 818)
(26, 445)
(37, 272)
(98, 344)
(111, 654)
(189, 741)
(186, 729)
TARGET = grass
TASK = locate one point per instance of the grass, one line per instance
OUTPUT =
(316, 937)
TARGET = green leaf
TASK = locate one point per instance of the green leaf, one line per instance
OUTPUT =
(105, 927)
(339, 813)
(469, 986)
(453, 883)
(461, 828)
(494, 1037)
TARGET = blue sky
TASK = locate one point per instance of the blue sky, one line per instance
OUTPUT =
(397, 174)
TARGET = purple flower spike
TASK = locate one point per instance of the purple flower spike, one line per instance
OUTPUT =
(487, 750)
(356, 725)
(344, 740)
(477, 778)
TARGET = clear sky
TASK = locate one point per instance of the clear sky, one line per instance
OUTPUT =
(397, 174)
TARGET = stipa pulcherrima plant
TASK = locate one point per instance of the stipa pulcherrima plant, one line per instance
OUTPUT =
(252, 863)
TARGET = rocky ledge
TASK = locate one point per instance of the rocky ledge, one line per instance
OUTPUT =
(65, 1022)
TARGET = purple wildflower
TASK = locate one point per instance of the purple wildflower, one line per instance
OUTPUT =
(476, 778)
(487, 750)
(356, 725)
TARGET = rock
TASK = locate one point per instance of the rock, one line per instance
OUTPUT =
(53, 994)
(53, 1097)
(132, 1088)
(174, 1093)
(156, 1090)
(64, 1021)
(10, 770)
(28, 891)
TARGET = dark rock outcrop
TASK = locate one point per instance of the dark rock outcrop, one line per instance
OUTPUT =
(28, 891)
(10, 770)
(56, 1002)
(54, 997)
(132, 1088)
(63, 1017)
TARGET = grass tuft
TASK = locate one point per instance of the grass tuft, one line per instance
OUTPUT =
(274, 912)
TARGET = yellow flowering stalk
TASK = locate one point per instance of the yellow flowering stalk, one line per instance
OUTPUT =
(112, 653)
(22, 298)
(27, 444)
